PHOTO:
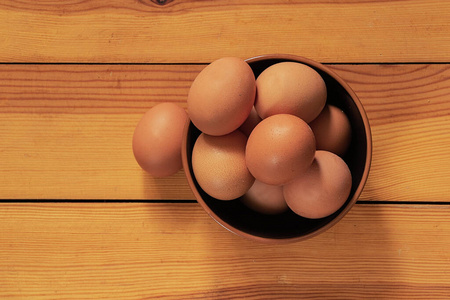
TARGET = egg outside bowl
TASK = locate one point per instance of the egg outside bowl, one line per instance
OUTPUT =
(289, 227)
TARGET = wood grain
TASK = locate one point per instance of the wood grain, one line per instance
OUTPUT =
(201, 31)
(66, 129)
(137, 251)
(409, 111)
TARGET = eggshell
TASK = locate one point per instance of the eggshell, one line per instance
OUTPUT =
(290, 88)
(322, 190)
(265, 198)
(280, 148)
(250, 123)
(157, 139)
(332, 130)
(221, 96)
(219, 166)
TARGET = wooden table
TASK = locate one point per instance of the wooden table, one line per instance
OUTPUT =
(80, 219)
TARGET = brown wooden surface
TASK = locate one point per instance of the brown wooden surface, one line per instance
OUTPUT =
(200, 31)
(136, 251)
(68, 129)
(68, 107)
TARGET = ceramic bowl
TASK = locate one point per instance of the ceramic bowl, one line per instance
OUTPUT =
(289, 227)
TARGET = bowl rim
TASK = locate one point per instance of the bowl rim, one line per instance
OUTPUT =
(350, 204)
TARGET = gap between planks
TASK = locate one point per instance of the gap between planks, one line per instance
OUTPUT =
(175, 201)
(207, 62)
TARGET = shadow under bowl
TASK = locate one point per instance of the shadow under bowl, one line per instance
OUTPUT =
(288, 226)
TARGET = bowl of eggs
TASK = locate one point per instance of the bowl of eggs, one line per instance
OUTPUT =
(276, 148)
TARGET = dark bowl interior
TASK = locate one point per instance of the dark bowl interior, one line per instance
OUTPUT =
(237, 218)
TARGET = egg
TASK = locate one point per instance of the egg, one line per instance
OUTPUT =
(332, 130)
(280, 148)
(250, 123)
(218, 163)
(221, 96)
(157, 139)
(290, 88)
(265, 198)
(322, 189)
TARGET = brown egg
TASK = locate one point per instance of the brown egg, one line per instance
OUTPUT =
(290, 88)
(219, 166)
(322, 190)
(265, 198)
(279, 149)
(332, 130)
(252, 120)
(157, 139)
(221, 96)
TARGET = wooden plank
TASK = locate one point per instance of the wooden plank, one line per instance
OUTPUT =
(201, 31)
(66, 129)
(136, 251)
